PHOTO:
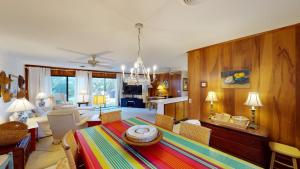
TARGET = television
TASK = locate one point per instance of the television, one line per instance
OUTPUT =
(132, 89)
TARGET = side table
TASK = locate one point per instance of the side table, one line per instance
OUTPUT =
(83, 103)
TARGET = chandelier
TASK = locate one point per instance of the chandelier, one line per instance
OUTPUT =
(139, 74)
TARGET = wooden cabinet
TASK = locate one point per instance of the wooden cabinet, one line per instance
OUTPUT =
(21, 152)
(174, 84)
(252, 148)
(177, 110)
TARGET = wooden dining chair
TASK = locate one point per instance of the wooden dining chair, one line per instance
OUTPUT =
(71, 149)
(110, 117)
(195, 132)
(164, 121)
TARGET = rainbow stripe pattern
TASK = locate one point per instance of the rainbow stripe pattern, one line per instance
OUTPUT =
(103, 147)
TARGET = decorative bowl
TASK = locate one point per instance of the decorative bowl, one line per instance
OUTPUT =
(221, 117)
(12, 132)
(240, 120)
(142, 144)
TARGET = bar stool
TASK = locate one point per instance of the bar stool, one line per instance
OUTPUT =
(290, 151)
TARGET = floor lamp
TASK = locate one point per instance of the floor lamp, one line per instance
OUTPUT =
(99, 100)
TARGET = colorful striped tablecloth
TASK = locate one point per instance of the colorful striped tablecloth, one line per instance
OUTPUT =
(102, 147)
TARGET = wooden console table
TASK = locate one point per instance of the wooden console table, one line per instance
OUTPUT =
(248, 144)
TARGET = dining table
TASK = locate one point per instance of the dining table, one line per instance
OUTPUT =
(102, 146)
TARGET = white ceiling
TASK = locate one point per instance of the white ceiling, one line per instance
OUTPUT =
(35, 29)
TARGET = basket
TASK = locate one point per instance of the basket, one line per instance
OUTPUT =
(12, 132)
(133, 143)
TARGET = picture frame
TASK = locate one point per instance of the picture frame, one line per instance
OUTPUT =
(185, 84)
(13, 86)
(235, 79)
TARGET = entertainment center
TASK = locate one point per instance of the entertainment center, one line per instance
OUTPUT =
(132, 96)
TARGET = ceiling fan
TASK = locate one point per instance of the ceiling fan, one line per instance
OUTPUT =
(92, 59)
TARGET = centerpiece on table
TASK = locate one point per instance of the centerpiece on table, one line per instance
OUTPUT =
(142, 135)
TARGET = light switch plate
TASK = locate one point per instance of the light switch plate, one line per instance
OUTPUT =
(203, 84)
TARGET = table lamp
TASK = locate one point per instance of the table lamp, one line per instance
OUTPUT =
(19, 106)
(83, 93)
(162, 90)
(99, 100)
(41, 97)
(211, 97)
(253, 101)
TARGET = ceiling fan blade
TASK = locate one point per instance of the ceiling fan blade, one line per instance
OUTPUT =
(104, 66)
(99, 55)
(73, 51)
(103, 52)
(79, 62)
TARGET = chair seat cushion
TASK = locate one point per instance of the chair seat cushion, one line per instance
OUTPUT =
(284, 149)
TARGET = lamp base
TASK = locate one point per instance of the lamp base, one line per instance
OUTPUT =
(42, 103)
(253, 126)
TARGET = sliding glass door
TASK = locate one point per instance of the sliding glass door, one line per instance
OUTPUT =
(107, 87)
(64, 85)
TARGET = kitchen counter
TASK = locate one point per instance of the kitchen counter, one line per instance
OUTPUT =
(162, 102)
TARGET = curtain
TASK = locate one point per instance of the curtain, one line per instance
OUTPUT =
(119, 94)
(39, 80)
(83, 86)
(144, 93)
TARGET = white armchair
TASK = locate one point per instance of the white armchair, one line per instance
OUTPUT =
(59, 101)
(63, 120)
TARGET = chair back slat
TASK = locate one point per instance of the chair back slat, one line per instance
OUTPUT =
(110, 117)
(164, 121)
(195, 132)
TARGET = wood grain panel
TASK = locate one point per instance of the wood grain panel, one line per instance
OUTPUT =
(174, 81)
(271, 57)
(179, 111)
(297, 88)
(194, 84)
(284, 85)
(170, 110)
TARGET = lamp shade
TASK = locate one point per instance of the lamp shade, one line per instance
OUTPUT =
(211, 97)
(99, 100)
(160, 87)
(41, 95)
(253, 100)
(83, 92)
(20, 105)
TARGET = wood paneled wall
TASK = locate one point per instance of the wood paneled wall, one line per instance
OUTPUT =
(272, 58)
(174, 81)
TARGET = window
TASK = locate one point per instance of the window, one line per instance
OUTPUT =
(65, 85)
(107, 87)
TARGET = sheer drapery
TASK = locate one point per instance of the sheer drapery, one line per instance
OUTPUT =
(83, 86)
(39, 80)
(119, 94)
